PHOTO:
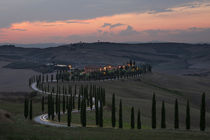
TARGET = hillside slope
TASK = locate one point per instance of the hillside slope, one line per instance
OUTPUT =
(168, 57)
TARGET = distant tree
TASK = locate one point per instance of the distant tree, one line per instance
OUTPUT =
(96, 109)
(163, 115)
(73, 102)
(69, 113)
(120, 115)
(153, 112)
(49, 105)
(52, 108)
(75, 90)
(104, 96)
(188, 115)
(52, 77)
(176, 115)
(84, 113)
(64, 104)
(79, 102)
(139, 120)
(132, 118)
(42, 104)
(26, 108)
(203, 113)
(56, 103)
(59, 112)
(31, 110)
(101, 114)
(113, 111)
(91, 101)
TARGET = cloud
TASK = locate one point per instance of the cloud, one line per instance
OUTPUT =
(73, 21)
(106, 25)
(128, 31)
(54, 10)
(131, 35)
(19, 30)
(111, 26)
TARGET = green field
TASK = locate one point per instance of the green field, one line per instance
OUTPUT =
(133, 92)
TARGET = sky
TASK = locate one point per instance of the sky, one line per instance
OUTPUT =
(70, 21)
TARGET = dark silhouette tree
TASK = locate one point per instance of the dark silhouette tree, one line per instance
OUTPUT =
(79, 102)
(176, 115)
(64, 104)
(120, 115)
(153, 112)
(188, 115)
(132, 118)
(59, 110)
(31, 110)
(139, 120)
(101, 114)
(163, 115)
(42, 104)
(203, 113)
(84, 113)
(69, 113)
(52, 108)
(26, 108)
(96, 109)
(49, 106)
(113, 111)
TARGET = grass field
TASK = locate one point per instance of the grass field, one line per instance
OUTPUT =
(135, 92)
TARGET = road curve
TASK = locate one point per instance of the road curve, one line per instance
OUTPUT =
(43, 119)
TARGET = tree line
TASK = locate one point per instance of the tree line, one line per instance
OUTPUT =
(94, 99)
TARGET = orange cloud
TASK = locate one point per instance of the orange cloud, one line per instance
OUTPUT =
(178, 18)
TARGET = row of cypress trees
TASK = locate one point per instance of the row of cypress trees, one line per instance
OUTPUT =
(176, 114)
(99, 103)
(113, 117)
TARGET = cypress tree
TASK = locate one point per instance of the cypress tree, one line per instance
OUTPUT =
(31, 111)
(26, 108)
(69, 113)
(91, 100)
(67, 102)
(42, 104)
(120, 115)
(75, 90)
(59, 112)
(163, 115)
(188, 115)
(79, 102)
(113, 111)
(176, 115)
(52, 108)
(84, 113)
(49, 106)
(96, 110)
(101, 114)
(104, 96)
(139, 120)
(132, 118)
(64, 104)
(203, 113)
(81, 112)
(73, 102)
(153, 112)
(56, 103)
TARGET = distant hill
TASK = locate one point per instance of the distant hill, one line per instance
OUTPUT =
(169, 57)
(39, 45)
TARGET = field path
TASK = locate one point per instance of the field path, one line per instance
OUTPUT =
(43, 119)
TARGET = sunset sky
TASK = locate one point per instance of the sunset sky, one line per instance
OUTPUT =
(69, 21)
